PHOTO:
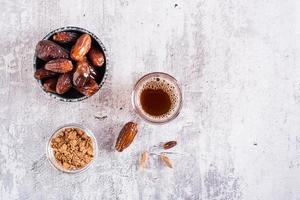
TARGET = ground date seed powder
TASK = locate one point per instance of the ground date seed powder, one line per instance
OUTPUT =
(72, 148)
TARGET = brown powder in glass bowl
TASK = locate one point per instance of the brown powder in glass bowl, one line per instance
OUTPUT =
(72, 148)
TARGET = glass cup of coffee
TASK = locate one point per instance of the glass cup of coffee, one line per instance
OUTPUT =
(157, 97)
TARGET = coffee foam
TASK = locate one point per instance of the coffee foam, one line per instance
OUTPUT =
(166, 86)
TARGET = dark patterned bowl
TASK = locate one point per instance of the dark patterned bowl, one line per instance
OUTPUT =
(73, 95)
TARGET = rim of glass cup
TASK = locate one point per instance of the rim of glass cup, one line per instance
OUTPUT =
(50, 155)
(134, 97)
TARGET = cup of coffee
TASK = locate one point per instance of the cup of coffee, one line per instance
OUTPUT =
(157, 97)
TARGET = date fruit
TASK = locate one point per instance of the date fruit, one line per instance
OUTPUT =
(90, 88)
(65, 37)
(50, 85)
(59, 65)
(96, 56)
(47, 50)
(81, 47)
(126, 136)
(93, 73)
(82, 73)
(169, 145)
(63, 83)
(43, 73)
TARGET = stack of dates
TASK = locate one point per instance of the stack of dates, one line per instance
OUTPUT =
(64, 69)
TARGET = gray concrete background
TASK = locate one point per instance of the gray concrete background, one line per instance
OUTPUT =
(238, 132)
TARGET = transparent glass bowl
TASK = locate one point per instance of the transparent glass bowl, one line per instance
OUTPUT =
(50, 153)
(135, 97)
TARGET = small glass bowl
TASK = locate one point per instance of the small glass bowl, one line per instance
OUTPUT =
(50, 153)
(135, 97)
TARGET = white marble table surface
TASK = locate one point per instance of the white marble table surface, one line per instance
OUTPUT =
(239, 129)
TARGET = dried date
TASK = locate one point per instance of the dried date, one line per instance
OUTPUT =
(93, 73)
(50, 85)
(47, 50)
(96, 56)
(169, 145)
(82, 73)
(81, 47)
(90, 88)
(63, 83)
(126, 136)
(43, 73)
(65, 37)
(59, 65)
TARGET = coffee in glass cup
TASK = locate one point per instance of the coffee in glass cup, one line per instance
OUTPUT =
(157, 97)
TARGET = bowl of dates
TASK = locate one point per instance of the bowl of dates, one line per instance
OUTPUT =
(70, 64)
